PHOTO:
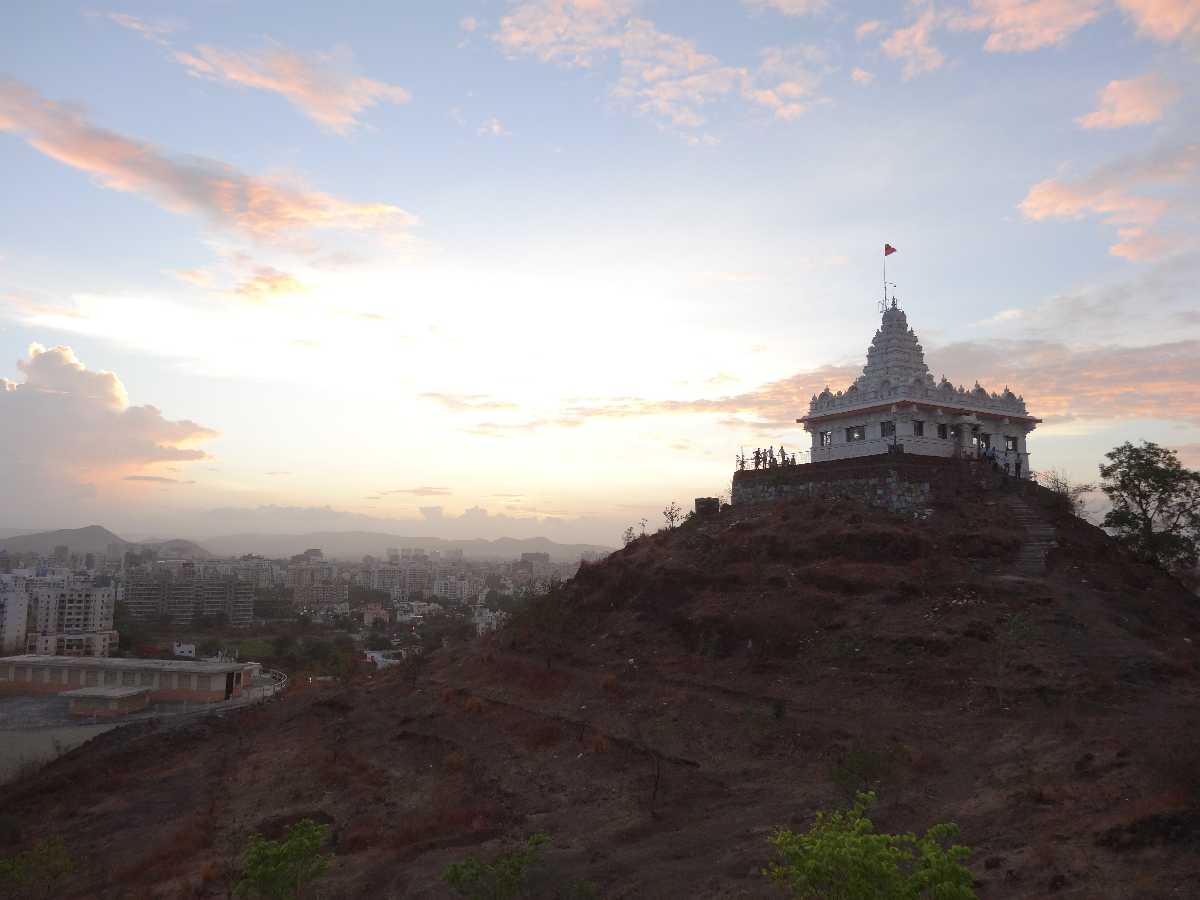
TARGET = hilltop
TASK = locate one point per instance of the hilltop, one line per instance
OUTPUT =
(95, 539)
(664, 711)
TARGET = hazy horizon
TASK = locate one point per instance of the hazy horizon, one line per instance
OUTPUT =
(541, 267)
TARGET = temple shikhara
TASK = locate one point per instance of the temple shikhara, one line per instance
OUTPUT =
(895, 406)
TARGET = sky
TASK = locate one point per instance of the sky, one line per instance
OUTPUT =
(541, 267)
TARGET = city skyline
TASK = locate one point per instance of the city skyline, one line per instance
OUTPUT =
(539, 268)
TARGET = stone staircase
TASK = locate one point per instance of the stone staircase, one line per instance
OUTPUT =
(1039, 538)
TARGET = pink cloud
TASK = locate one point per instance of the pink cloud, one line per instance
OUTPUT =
(664, 75)
(1137, 101)
(862, 76)
(866, 29)
(260, 208)
(1128, 194)
(267, 282)
(1165, 20)
(913, 45)
(1018, 26)
(324, 86)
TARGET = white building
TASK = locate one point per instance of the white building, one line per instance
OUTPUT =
(896, 402)
(14, 613)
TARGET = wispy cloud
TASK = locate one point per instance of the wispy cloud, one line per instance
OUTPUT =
(256, 207)
(493, 127)
(155, 479)
(1137, 101)
(1123, 195)
(266, 283)
(423, 491)
(861, 76)
(913, 45)
(468, 402)
(1019, 26)
(195, 277)
(663, 75)
(324, 86)
(790, 7)
(156, 32)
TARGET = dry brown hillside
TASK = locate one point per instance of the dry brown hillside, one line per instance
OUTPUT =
(660, 715)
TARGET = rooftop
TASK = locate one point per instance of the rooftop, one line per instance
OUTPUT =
(106, 693)
(103, 662)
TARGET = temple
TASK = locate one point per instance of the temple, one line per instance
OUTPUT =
(895, 406)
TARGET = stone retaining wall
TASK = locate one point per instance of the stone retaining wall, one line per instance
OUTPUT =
(897, 483)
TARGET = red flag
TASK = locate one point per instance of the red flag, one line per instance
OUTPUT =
(888, 249)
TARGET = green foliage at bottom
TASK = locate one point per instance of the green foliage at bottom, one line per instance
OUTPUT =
(275, 870)
(843, 858)
(37, 872)
(503, 879)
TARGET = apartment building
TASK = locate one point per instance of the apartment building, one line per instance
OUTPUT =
(184, 597)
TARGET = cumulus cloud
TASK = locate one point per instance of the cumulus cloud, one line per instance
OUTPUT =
(1128, 194)
(1165, 20)
(260, 208)
(1137, 101)
(324, 86)
(66, 425)
(663, 75)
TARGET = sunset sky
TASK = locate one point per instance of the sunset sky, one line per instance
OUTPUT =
(539, 268)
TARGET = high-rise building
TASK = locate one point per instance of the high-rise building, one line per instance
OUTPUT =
(182, 598)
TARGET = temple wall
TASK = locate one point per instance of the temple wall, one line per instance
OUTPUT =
(901, 486)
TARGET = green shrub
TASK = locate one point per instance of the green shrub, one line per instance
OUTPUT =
(503, 879)
(861, 768)
(275, 870)
(37, 872)
(842, 858)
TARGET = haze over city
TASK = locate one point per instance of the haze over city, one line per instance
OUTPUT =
(538, 268)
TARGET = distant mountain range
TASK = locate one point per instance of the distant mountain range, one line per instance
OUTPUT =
(356, 544)
(336, 544)
(96, 539)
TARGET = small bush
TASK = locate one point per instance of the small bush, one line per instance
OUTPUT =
(38, 872)
(842, 858)
(279, 869)
(503, 879)
(860, 768)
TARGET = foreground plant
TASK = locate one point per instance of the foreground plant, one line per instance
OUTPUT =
(503, 879)
(37, 872)
(843, 858)
(275, 870)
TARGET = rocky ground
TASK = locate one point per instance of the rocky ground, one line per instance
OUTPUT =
(675, 703)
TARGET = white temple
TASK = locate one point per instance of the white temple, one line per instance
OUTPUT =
(895, 403)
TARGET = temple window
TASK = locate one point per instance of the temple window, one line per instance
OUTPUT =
(856, 433)
(918, 429)
(1010, 443)
(955, 432)
(985, 440)
(887, 429)
(826, 438)
(943, 432)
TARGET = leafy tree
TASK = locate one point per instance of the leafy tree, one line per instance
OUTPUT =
(275, 870)
(1072, 496)
(843, 858)
(1155, 504)
(503, 879)
(37, 872)
(628, 536)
